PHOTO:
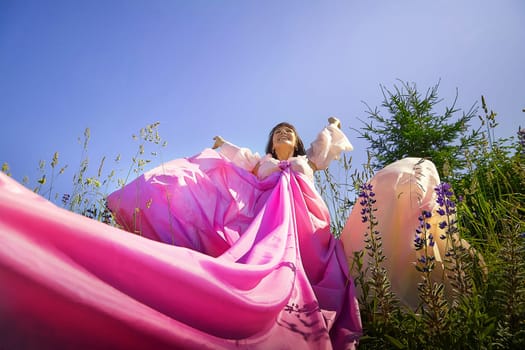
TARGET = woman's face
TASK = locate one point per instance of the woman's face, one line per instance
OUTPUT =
(284, 135)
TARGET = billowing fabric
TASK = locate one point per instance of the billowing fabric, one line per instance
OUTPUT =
(221, 260)
(402, 190)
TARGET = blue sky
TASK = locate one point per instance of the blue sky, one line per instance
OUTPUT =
(237, 67)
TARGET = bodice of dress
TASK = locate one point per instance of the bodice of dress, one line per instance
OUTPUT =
(327, 146)
(269, 165)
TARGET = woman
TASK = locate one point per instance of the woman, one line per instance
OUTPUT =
(284, 144)
(236, 205)
(239, 255)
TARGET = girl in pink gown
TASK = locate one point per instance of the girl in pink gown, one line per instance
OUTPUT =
(232, 251)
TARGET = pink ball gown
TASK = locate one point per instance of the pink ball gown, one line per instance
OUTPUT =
(222, 259)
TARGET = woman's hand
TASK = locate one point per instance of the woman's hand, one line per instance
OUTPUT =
(334, 121)
(219, 141)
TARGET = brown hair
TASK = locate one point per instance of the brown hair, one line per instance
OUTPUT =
(299, 146)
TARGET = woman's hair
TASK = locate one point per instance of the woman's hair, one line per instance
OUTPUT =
(299, 146)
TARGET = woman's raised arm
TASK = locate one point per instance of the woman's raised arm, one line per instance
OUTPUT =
(328, 145)
(240, 156)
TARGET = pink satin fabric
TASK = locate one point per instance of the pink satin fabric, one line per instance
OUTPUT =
(221, 260)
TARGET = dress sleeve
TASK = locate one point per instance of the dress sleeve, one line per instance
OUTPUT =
(242, 157)
(328, 145)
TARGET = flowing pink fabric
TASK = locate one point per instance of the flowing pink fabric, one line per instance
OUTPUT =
(222, 261)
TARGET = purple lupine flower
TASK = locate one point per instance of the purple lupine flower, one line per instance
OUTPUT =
(420, 242)
(366, 201)
(65, 198)
(444, 194)
(423, 237)
(431, 240)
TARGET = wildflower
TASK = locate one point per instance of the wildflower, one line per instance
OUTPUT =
(423, 222)
(367, 200)
(431, 240)
(65, 198)
(443, 191)
(420, 239)
(444, 199)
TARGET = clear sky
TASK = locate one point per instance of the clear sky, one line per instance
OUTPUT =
(237, 67)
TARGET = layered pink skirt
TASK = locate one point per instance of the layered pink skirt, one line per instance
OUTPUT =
(219, 260)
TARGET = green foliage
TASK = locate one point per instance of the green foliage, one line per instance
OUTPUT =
(328, 186)
(336, 183)
(486, 307)
(378, 305)
(486, 304)
(412, 128)
(494, 182)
